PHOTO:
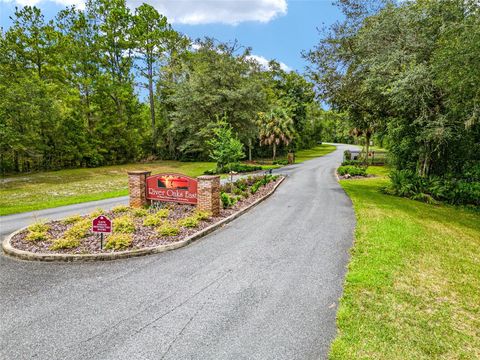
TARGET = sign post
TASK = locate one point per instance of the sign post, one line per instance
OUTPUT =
(101, 225)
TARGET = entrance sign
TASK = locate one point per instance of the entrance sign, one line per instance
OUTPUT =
(172, 188)
(101, 224)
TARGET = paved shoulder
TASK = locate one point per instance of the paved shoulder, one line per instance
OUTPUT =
(262, 287)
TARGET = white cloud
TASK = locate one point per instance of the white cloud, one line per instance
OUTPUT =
(195, 12)
(217, 11)
(264, 62)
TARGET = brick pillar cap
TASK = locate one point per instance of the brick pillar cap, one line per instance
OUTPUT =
(138, 172)
(208, 177)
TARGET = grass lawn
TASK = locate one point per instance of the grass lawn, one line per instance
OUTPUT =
(413, 285)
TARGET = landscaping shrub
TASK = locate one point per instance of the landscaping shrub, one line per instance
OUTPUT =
(352, 162)
(71, 219)
(237, 191)
(189, 222)
(202, 215)
(347, 155)
(140, 212)
(241, 168)
(163, 213)
(152, 220)
(168, 229)
(37, 236)
(38, 227)
(123, 224)
(280, 162)
(157, 218)
(96, 213)
(78, 230)
(227, 200)
(120, 209)
(65, 243)
(255, 187)
(118, 241)
(407, 183)
(352, 171)
(241, 184)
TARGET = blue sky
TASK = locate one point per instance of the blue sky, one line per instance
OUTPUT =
(275, 29)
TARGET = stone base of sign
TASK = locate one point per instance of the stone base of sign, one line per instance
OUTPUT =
(208, 194)
(137, 185)
(9, 250)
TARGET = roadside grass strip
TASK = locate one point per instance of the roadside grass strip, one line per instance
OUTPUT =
(412, 290)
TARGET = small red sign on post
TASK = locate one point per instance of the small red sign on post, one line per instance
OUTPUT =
(101, 224)
(173, 188)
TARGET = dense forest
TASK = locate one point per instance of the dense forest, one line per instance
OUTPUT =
(109, 85)
(408, 73)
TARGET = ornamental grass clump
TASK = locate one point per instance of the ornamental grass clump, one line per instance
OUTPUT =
(189, 222)
(118, 241)
(168, 229)
(65, 243)
(123, 224)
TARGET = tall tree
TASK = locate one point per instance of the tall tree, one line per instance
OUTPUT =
(152, 36)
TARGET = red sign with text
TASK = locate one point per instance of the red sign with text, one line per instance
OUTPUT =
(101, 224)
(173, 188)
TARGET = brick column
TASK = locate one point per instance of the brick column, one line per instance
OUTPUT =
(137, 188)
(208, 194)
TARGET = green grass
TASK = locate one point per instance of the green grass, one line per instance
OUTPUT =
(317, 151)
(65, 187)
(412, 290)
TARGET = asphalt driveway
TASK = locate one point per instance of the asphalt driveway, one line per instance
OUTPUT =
(263, 287)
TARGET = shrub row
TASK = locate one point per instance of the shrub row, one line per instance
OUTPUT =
(407, 183)
(235, 167)
(352, 170)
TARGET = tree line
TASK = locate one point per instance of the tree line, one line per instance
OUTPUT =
(109, 85)
(408, 73)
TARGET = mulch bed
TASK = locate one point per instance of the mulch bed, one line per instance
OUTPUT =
(143, 237)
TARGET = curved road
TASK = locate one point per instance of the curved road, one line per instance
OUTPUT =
(263, 287)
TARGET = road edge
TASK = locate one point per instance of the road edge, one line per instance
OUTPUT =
(12, 252)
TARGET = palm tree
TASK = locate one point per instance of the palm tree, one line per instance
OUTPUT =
(275, 128)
